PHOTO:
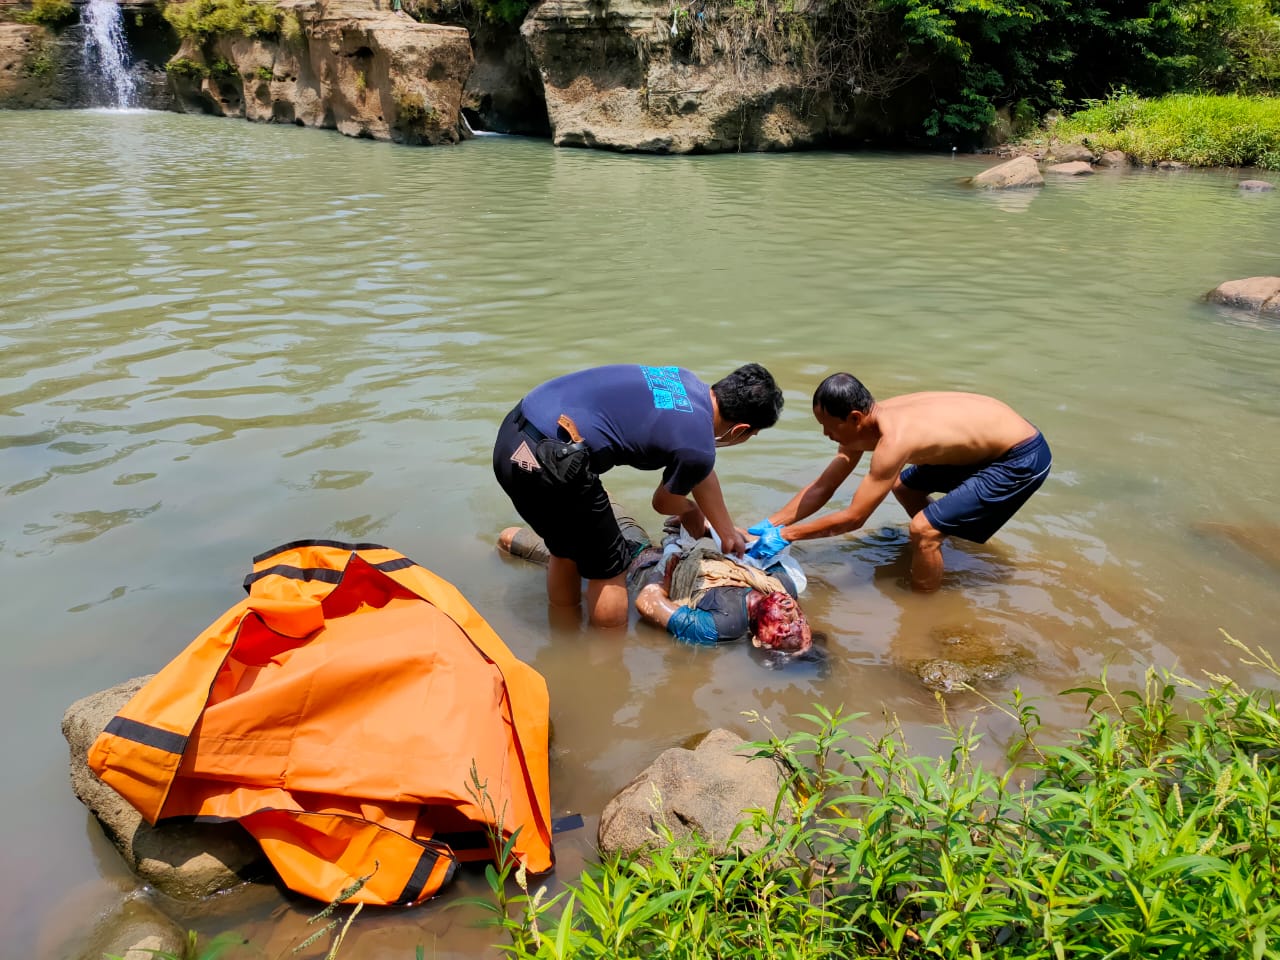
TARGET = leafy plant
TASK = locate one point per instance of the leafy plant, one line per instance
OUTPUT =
(52, 13)
(202, 19)
(186, 67)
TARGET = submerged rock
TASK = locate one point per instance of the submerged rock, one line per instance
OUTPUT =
(1260, 294)
(704, 791)
(186, 861)
(968, 658)
(1256, 186)
(1012, 174)
(1075, 168)
(135, 931)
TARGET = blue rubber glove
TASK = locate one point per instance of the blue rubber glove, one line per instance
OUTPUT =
(768, 543)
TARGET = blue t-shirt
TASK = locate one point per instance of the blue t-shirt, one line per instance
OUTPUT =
(650, 418)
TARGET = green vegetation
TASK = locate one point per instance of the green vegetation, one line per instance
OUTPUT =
(414, 114)
(965, 58)
(53, 13)
(1153, 831)
(1202, 130)
(38, 62)
(185, 67)
(203, 19)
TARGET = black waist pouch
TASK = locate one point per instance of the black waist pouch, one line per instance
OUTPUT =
(565, 463)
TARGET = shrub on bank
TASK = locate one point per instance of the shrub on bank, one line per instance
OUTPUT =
(1153, 831)
(1230, 131)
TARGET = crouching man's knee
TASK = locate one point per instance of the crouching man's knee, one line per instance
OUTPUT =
(924, 534)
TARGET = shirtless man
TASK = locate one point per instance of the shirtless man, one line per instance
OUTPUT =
(983, 457)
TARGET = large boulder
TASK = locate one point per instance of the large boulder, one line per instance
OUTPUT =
(337, 64)
(1260, 294)
(642, 75)
(187, 861)
(1012, 174)
(705, 792)
(1070, 153)
(1115, 158)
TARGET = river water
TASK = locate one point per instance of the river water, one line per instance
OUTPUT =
(216, 337)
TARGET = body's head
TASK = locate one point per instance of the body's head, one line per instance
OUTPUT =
(841, 404)
(778, 623)
(747, 401)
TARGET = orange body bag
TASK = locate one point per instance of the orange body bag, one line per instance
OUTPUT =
(337, 713)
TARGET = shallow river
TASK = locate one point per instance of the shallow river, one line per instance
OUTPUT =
(216, 337)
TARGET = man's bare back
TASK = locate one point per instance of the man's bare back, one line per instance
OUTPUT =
(942, 427)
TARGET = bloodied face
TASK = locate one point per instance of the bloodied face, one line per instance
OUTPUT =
(780, 625)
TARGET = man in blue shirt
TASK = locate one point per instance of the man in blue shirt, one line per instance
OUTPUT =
(553, 446)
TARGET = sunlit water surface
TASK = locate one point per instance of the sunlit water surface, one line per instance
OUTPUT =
(216, 337)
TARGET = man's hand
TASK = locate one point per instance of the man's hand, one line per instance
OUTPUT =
(735, 546)
(769, 541)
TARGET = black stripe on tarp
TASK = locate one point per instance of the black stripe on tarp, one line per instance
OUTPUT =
(418, 879)
(146, 735)
(388, 566)
(323, 574)
(340, 544)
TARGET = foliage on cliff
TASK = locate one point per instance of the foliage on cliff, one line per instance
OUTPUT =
(202, 19)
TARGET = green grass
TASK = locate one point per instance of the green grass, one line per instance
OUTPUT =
(1229, 131)
(1153, 832)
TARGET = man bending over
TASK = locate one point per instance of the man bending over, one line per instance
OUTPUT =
(982, 456)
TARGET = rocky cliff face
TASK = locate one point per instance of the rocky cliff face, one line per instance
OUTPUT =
(645, 75)
(635, 75)
(340, 64)
(44, 66)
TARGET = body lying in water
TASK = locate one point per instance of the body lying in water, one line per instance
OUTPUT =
(696, 593)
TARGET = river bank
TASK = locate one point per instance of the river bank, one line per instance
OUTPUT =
(642, 76)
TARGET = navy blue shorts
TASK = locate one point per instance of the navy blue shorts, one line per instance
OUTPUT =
(980, 498)
(576, 521)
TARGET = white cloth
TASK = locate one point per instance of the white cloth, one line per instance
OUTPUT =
(685, 541)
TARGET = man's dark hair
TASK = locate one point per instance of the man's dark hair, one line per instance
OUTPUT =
(841, 394)
(749, 395)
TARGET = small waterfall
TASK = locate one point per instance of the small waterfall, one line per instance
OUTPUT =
(106, 56)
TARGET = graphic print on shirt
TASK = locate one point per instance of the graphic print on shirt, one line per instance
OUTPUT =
(667, 388)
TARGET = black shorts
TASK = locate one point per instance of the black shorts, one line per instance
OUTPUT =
(575, 520)
(980, 498)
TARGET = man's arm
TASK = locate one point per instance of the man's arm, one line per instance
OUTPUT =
(682, 508)
(710, 501)
(885, 466)
(815, 496)
(654, 606)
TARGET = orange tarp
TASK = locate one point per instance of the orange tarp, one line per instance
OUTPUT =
(337, 713)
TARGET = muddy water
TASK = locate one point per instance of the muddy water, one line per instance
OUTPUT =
(216, 337)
